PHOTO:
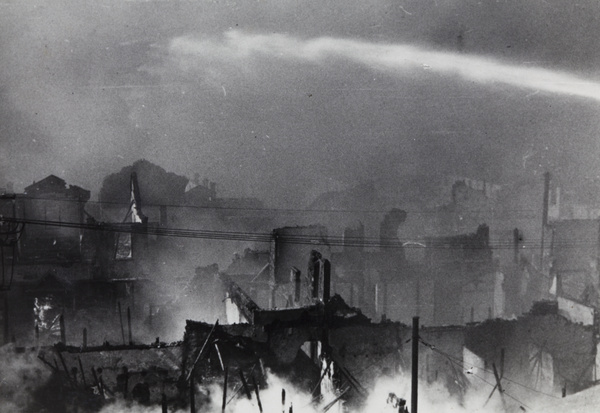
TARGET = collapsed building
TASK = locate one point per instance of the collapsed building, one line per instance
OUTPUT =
(60, 261)
(313, 339)
(301, 310)
(332, 352)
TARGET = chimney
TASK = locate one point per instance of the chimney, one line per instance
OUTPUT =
(213, 191)
(546, 198)
(163, 216)
(295, 276)
(388, 229)
(326, 280)
(314, 271)
(517, 238)
(354, 237)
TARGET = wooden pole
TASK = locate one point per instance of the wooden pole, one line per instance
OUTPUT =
(84, 338)
(165, 407)
(192, 395)
(283, 400)
(256, 391)
(415, 366)
(544, 216)
(225, 389)
(326, 280)
(499, 385)
(202, 350)
(502, 354)
(62, 361)
(6, 328)
(245, 385)
(220, 358)
(129, 326)
(63, 338)
(121, 321)
(82, 373)
(43, 360)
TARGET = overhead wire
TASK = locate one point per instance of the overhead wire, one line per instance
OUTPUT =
(462, 365)
(432, 210)
(460, 242)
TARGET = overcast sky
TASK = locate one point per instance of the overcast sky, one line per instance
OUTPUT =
(286, 99)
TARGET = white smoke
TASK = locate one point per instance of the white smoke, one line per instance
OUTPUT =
(21, 374)
(433, 398)
(395, 59)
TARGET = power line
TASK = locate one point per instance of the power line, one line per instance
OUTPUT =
(433, 210)
(439, 243)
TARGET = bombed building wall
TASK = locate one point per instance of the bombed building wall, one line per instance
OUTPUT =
(91, 378)
(75, 289)
(576, 252)
(157, 186)
(113, 257)
(546, 351)
(92, 311)
(364, 268)
(458, 264)
(292, 246)
(539, 350)
(400, 301)
(394, 297)
(51, 200)
(439, 351)
(388, 229)
(369, 351)
(248, 350)
(454, 281)
(45, 205)
(468, 203)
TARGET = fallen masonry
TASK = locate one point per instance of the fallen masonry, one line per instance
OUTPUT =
(327, 350)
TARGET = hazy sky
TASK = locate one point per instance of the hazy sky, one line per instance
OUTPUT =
(285, 99)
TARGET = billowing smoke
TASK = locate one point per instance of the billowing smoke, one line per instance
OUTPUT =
(391, 58)
(21, 377)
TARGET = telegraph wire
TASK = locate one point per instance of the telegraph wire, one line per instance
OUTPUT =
(504, 392)
(440, 243)
(434, 210)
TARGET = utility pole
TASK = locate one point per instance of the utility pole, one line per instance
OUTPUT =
(225, 388)
(544, 216)
(415, 366)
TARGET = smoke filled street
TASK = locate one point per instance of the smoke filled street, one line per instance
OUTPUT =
(299, 206)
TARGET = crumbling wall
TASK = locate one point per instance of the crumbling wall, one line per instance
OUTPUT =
(440, 353)
(522, 348)
(369, 351)
(115, 372)
(293, 246)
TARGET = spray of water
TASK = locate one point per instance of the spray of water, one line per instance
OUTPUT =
(395, 59)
